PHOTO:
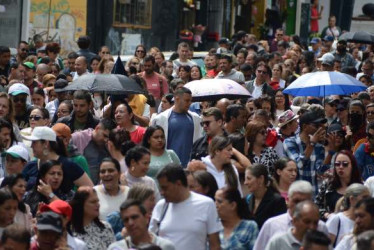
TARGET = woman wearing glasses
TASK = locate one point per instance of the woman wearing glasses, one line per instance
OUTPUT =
(140, 52)
(258, 152)
(344, 174)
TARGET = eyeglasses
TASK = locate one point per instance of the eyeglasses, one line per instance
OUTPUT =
(25, 50)
(35, 117)
(287, 65)
(370, 112)
(19, 99)
(63, 111)
(206, 123)
(262, 72)
(345, 164)
(140, 51)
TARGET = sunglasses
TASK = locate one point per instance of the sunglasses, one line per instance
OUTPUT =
(25, 50)
(370, 112)
(35, 117)
(19, 99)
(140, 51)
(262, 72)
(104, 52)
(345, 164)
(206, 123)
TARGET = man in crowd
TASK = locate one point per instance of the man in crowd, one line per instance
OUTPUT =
(197, 219)
(4, 61)
(81, 118)
(135, 219)
(61, 95)
(288, 124)
(279, 34)
(363, 154)
(305, 217)
(19, 94)
(314, 240)
(91, 143)
(15, 237)
(341, 54)
(41, 70)
(156, 84)
(330, 106)
(72, 56)
(241, 56)
(315, 46)
(183, 50)
(84, 44)
(81, 67)
(22, 53)
(259, 86)
(211, 65)
(29, 77)
(227, 72)
(367, 69)
(182, 127)
(299, 191)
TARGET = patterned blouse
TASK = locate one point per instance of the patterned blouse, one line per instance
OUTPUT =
(95, 237)
(268, 157)
(242, 238)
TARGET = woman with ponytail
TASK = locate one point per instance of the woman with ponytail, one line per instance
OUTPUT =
(118, 143)
(264, 200)
(238, 231)
(218, 163)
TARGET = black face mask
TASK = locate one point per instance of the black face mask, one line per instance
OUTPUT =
(355, 120)
(341, 49)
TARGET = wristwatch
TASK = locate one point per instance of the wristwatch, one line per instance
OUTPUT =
(51, 195)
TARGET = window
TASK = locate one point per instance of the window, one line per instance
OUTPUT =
(135, 14)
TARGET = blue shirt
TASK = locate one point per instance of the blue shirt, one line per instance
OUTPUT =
(365, 162)
(307, 167)
(243, 237)
(180, 135)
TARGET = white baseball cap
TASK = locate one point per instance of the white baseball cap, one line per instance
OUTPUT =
(41, 133)
(17, 151)
(18, 88)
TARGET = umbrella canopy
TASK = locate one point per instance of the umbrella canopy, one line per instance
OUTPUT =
(324, 83)
(105, 83)
(358, 37)
(215, 89)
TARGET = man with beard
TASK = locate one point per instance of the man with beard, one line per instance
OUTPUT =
(356, 128)
(227, 72)
(22, 53)
(81, 117)
(341, 54)
(211, 64)
(364, 221)
(365, 154)
(19, 94)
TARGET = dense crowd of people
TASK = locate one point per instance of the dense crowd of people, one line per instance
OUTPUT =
(83, 170)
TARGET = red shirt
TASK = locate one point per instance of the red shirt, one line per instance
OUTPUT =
(137, 135)
(314, 23)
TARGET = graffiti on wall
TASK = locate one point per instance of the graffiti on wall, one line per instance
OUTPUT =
(67, 21)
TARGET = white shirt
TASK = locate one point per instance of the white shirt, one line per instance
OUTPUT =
(108, 203)
(278, 225)
(188, 223)
(257, 91)
(346, 225)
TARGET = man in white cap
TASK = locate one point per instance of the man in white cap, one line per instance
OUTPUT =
(16, 158)
(327, 62)
(19, 94)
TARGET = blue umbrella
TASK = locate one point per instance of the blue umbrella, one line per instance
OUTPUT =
(324, 83)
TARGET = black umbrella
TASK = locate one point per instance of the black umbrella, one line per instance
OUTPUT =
(105, 83)
(358, 37)
(118, 67)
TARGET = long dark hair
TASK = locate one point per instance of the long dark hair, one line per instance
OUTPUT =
(258, 170)
(148, 133)
(287, 105)
(219, 143)
(135, 153)
(77, 204)
(280, 164)
(10, 181)
(355, 173)
(43, 170)
(119, 137)
(207, 181)
(233, 195)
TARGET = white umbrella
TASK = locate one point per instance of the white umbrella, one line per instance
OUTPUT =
(215, 89)
(324, 83)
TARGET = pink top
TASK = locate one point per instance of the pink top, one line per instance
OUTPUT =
(153, 84)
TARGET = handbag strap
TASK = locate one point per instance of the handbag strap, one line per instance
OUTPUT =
(337, 233)
(164, 210)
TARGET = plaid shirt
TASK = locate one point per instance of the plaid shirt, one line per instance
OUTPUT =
(308, 167)
(242, 238)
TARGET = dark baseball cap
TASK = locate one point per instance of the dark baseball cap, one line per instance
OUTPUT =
(49, 221)
(331, 101)
(60, 84)
(343, 104)
(224, 40)
(312, 117)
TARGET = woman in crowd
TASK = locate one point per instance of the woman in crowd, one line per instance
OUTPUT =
(140, 192)
(52, 50)
(17, 184)
(159, 59)
(105, 66)
(140, 52)
(202, 182)
(218, 163)
(124, 118)
(154, 140)
(137, 160)
(38, 97)
(49, 80)
(238, 231)
(184, 73)
(7, 112)
(285, 172)
(276, 81)
(196, 73)
(117, 145)
(46, 146)
(342, 223)
(258, 152)
(85, 222)
(267, 103)
(8, 208)
(345, 173)
(64, 109)
(111, 194)
(282, 103)
(264, 200)
(133, 63)
(94, 63)
(167, 102)
(49, 186)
